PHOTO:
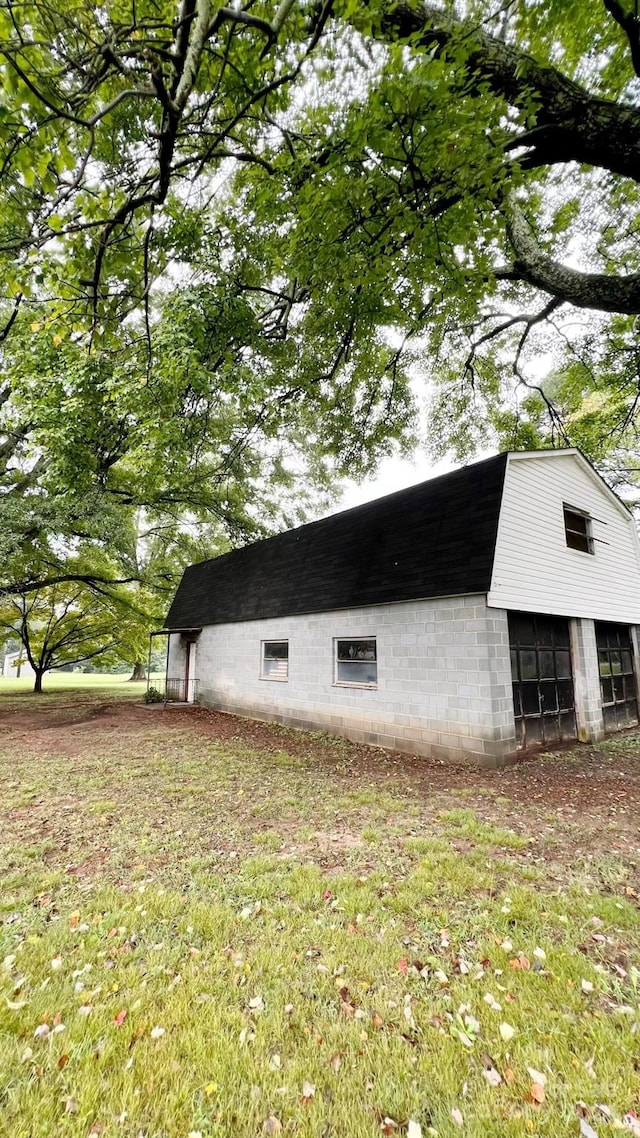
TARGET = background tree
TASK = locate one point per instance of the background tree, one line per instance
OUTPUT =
(60, 625)
(225, 233)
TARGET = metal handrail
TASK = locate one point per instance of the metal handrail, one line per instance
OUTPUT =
(173, 689)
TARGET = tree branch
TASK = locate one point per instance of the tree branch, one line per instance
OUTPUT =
(570, 123)
(630, 25)
(599, 291)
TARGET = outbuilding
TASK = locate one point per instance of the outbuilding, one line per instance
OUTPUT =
(484, 611)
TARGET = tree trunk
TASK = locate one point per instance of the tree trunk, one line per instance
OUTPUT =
(37, 686)
(139, 674)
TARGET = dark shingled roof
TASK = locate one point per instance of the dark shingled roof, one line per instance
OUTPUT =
(433, 540)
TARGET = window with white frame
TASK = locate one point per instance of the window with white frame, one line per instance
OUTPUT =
(275, 660)
(356, 662)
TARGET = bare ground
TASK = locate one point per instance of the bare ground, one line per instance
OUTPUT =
(310, 793)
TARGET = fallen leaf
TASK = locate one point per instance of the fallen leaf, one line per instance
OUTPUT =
(62, 1062)
(520, 963)
(492, 1002)
(586, 986)
(120, 1017)
(157, 1032)
(403, 965)
(335, 1062)
(457, 1117)
(414, 1129)
(493, 1076)
(536, 1094)
(42, 1031)
(586, 1129)
(537, 1076)
(308, 1091)
(71, 1106)
(256, 1004)
(272, 1125)
(507, 1032)
(388, 1125)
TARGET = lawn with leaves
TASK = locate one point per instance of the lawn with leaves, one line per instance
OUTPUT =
(211, 926)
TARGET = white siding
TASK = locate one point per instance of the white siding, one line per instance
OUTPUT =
(535, 571)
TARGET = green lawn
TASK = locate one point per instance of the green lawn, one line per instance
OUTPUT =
(71, 681)
(219, 928)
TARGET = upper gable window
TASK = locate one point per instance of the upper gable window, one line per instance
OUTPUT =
(577, 529)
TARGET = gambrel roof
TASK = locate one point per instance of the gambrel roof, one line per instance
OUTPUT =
(431, 540)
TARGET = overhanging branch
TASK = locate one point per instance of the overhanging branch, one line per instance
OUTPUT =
(599, 291)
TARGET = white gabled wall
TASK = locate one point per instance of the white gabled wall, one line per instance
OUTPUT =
(535, 571)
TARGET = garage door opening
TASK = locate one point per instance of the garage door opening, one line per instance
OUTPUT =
(542, 679)
(617, 676)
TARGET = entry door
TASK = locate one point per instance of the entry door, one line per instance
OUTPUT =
(190, 673)
(542, 679)
(617, 678)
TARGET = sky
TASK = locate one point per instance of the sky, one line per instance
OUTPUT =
(393, 474)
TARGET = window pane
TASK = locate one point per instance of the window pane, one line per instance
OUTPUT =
(514, 666)
(530, 699)
(565, 694)
(517, 701)
(627, 665)
(357, 672)
(605, 666)
(563, 665)
(576, 528)
(607, 690)
(547, 669)
(616, 663)
(548, 697)
(276, 649)
(561, 633)
(356, 649)
(521, 628)
(528, 666)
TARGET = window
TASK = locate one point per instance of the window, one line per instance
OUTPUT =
(356, 662)
(577, 528)
(275, 660)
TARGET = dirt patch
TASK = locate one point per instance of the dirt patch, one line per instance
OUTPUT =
(113, 783)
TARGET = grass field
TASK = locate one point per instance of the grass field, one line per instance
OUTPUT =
(71, 681)
(219, 928)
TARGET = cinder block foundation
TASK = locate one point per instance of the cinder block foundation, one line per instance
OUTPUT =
(444, 679)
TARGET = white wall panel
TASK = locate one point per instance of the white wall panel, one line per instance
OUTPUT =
(535, 571)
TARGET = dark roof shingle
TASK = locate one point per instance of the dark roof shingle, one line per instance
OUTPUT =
(434, 539)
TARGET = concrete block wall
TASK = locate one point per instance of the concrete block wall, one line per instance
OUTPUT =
(444, 680)
(586, 680)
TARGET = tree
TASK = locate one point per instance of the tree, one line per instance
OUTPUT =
(63, 624)
(227, 228)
